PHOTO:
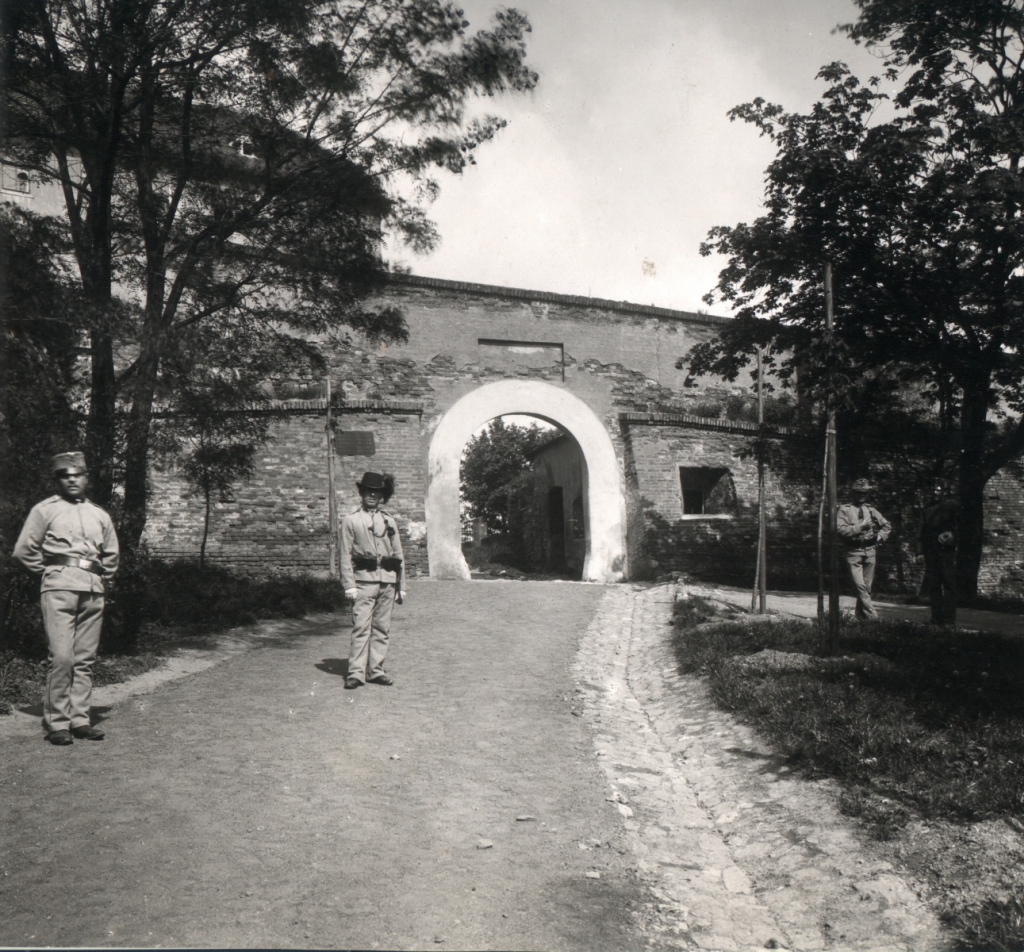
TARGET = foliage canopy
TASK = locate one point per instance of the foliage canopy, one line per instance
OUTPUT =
(496, 473)
(917, 200)
(233, 164)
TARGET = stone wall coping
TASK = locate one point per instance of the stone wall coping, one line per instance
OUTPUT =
(698, 423)
(320, 405)
(494, 290)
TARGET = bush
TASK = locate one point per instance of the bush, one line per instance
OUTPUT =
(185, 595)
(151, 593)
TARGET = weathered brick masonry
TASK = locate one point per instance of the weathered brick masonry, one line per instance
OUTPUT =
(721, 546)
(618, 358)
(1002, 566)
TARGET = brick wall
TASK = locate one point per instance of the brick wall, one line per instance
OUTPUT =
(1002, 567)
(278, 521)
(620, 359)
(722, 546)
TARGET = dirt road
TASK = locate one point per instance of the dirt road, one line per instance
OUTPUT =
(535, 780)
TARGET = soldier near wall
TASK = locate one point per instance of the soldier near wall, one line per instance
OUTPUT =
(373, 576)
(937, 536)
(862, 528)
(71, 544)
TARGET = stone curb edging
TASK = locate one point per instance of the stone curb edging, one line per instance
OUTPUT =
(737, 853)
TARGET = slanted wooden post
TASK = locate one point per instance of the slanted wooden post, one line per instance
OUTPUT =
(833, 504)
(761, 582)
(332, 502)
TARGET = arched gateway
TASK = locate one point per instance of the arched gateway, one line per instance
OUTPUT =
(605, 506)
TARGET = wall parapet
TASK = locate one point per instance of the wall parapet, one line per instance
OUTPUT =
(320, 406)
(699, 423)
(552, 297)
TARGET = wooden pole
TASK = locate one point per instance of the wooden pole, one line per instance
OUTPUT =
(822, 640)
(332, 502)
(833, 504)
(762, 517)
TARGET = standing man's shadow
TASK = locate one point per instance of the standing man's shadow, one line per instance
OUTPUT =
(337, 666)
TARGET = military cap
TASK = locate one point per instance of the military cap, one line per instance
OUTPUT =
(69, 464)
(861, 486)
(384, 483)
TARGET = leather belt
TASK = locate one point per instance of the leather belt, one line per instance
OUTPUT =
(75, 562)
(363, 563)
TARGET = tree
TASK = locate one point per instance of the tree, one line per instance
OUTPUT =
(38, 324)
(921, 218)
(495, 473)
(233, 162)
(216, 421)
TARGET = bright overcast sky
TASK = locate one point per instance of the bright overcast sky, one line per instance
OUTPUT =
(612, 171)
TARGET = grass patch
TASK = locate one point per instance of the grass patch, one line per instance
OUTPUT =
(912, 721)
(22, 679)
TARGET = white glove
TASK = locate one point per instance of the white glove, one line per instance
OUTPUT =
(400, 597)
(351, 593)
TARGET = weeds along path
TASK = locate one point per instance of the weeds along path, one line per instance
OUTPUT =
(743, 856)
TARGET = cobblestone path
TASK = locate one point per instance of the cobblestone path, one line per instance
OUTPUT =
(739, 854)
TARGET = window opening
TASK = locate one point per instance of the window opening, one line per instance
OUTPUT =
(707, 491)
(16, 180)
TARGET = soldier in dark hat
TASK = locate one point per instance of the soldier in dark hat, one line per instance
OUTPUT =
(372, 574)
(937, 534)
(862, 528)
(71, 544)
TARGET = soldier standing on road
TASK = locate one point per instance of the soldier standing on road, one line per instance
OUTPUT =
(71, 544)
(862, 528)
(937, 538)
(372, 574)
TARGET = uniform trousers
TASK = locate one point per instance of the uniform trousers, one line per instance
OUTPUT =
(73, 621)
(940, 583)
(371, 622)
(862, 573)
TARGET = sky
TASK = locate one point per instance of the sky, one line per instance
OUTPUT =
(612, 171)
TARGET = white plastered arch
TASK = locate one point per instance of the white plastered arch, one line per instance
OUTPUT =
(605, 504)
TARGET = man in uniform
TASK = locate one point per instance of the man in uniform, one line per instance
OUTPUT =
(372, 576)
(71, 544)
(937, 538)
(862, 529)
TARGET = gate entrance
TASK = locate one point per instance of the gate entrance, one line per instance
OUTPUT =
(605, 512)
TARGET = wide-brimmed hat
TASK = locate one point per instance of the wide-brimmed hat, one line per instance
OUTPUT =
(861, 486)
(384, 483)
(69, 464)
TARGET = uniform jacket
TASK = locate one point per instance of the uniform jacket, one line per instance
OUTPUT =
(368, 534)
(939, 519)
(861, 527)
(57, 526)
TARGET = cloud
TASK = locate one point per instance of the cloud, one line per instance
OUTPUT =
(612, 172)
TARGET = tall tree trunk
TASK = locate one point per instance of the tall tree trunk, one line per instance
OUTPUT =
(137, 439)
(206, 527)
(101, 425)
(140, 416)
(972, 480)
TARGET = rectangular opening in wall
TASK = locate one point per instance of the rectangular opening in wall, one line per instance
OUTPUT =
(355, 443)
(508, 354)
(707, 491)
